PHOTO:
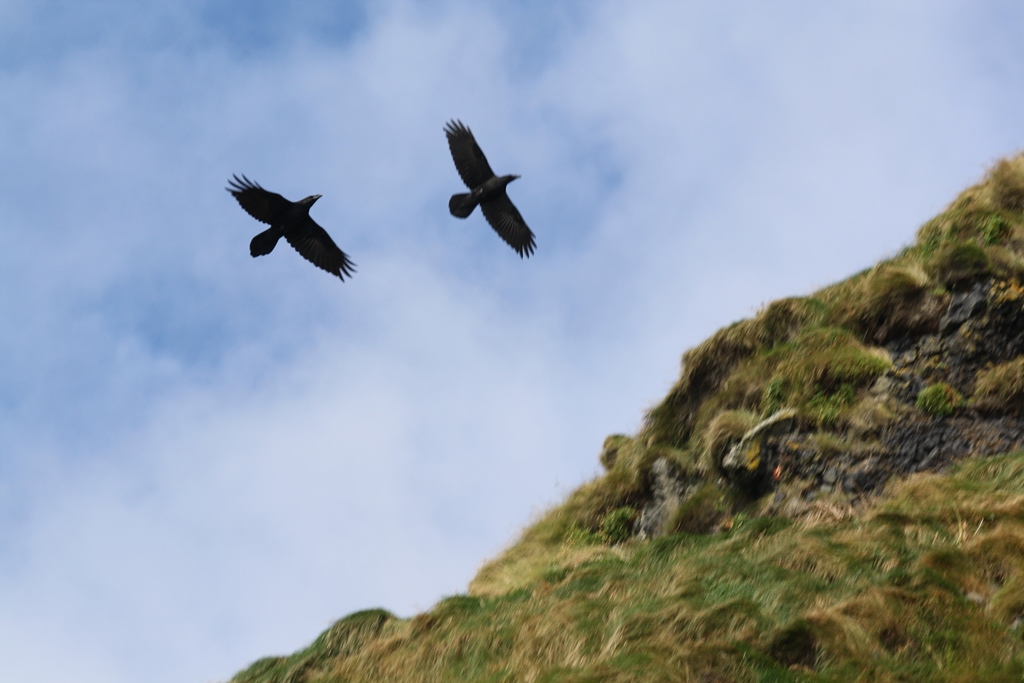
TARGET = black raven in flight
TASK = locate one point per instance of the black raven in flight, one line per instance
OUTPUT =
(487, 190)
(289, 220)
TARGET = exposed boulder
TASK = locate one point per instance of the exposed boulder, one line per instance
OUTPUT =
(747, 463)
(669, 487)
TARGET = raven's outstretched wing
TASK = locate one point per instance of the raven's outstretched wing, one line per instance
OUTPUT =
(468, 157)
(266, 207)
(317, 247)
(506, 220)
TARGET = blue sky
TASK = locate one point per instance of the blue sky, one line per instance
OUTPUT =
(207, 458)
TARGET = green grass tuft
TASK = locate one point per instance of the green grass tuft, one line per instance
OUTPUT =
(825, 409)
(939, 400)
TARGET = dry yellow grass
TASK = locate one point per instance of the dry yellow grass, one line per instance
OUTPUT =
(924, 585)
(1001, 387)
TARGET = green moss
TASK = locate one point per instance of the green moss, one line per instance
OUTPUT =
(824, 409)
(939, 400)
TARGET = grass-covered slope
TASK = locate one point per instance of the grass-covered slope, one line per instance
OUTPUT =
(797, 550)
(926, 585)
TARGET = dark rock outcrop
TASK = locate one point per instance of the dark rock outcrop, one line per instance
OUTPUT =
(983, 325)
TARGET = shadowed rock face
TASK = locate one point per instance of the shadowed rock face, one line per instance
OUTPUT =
(903, 448)
(669, 487)
(983, 325)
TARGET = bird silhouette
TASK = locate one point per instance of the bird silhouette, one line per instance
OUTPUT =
(486, 190)
(290, 220)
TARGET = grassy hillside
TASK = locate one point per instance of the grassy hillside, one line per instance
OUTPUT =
(927, 585)
(806, 553)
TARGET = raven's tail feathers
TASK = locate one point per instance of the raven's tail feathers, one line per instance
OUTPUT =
(264, 243)
(461, 205)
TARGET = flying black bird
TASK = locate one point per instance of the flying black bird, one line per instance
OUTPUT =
(487, 190)
(289, 220)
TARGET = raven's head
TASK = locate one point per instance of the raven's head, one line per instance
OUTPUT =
(506, 179)
(310, 200)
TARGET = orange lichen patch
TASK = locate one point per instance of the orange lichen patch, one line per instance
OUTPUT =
(1007, 290)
